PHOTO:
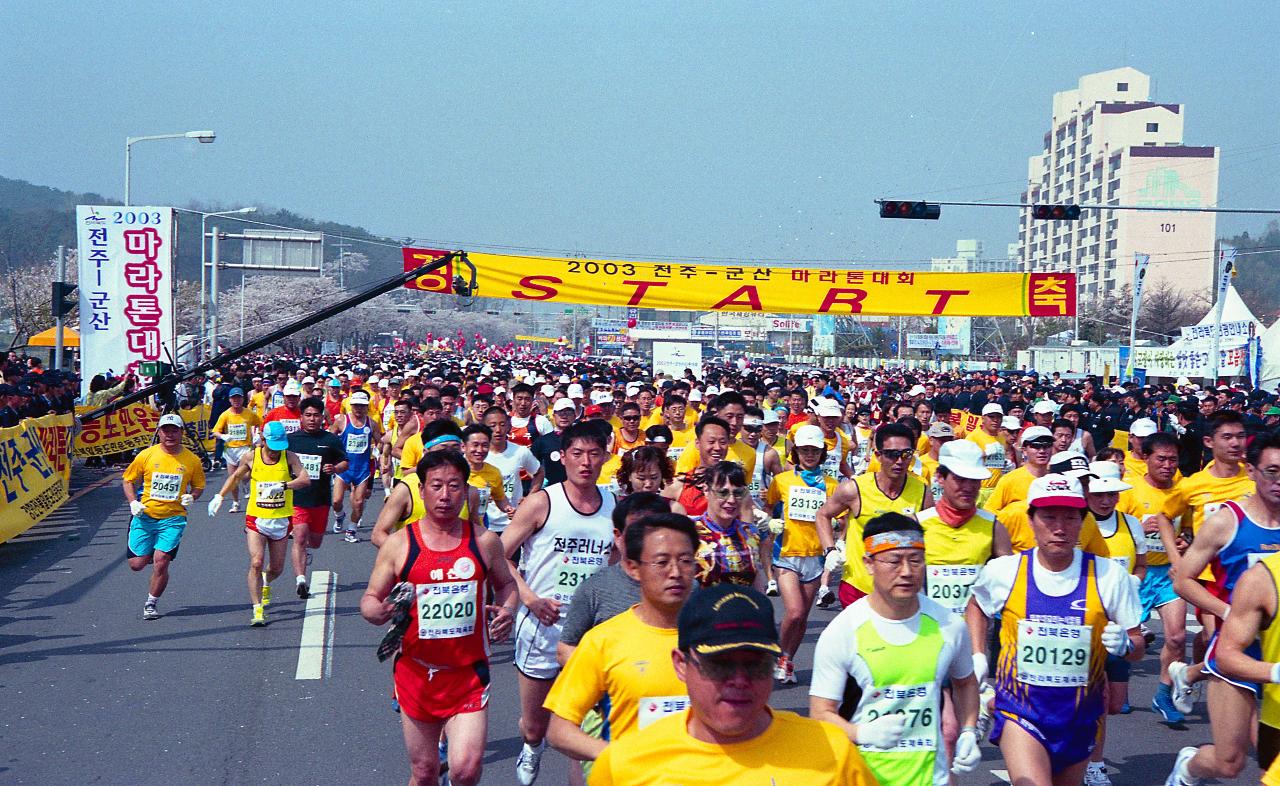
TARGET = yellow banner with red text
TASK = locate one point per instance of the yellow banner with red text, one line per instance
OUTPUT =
(30, 485)
(777, 289)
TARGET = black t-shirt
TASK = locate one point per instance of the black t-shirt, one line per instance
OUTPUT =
(329, 448)
(546, 449)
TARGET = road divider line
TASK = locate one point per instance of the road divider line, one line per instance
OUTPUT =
(315, 650)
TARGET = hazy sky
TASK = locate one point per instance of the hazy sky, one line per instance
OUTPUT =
(677, 129)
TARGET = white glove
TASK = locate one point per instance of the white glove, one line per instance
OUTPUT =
(1115, 640)
(185, 500)
(222, 437)
(968, 754)
(1275, 672)
(136, 508)
(980, 667)
(883, 732)
(215, 505)
(834, 563)
(776, 526)
(760, 516)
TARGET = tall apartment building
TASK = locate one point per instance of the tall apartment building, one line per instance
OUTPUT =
(1110, 144)
(969, 258)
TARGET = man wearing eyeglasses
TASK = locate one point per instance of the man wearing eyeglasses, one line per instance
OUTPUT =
(627, 658)
(726, 648)
(898, 649)
(987, 435)
(891, 488)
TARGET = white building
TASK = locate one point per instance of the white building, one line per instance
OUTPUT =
(970, 259)
(1110, 144)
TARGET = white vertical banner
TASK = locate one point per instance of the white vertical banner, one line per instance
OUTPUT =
(126, 287)
(1140, 263)
(1226, 270)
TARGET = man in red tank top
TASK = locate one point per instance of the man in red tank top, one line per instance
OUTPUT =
(441, 673)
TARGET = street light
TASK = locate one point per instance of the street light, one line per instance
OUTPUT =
(241, 211)
(204, 137)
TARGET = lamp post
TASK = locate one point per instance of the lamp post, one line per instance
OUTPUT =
(204, 137)
(203, 247)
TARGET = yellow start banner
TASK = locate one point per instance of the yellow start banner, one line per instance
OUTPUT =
(31, 486)
(777, 289)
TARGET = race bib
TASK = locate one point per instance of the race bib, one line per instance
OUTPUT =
(916, 702)
(165, 486)
(674, 453)
(291, 425)
(803, 502)
(270, 495)
(357, 444)
(653, 708)
(831, 465)
(237, 432)
(994, 456)
(446, 610)
(509, 486)
(484, 495)
(311, 463)
(949, 585)
(572, 572)
(1053, 655)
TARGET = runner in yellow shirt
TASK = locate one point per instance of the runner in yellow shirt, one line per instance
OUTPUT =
(987, 437)
(236, 428)
(1037, 447)
(484, 477)
(628, 658)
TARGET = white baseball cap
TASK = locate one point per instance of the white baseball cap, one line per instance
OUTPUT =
(1044, 406)
(828, 408)
(918, 390)
(1010, 422)
(695, 395)
(1035, 432)
(809, 437)
(548, 390)
(964, 458)
(1107, 478)
(992, 409)
(308, 380)
(171, 420)
(575, 391)
(563, 404)
(771, 416)
(1070, 463)
(359, 397)
(1142, 427)
(1054, 490)
(292, 388)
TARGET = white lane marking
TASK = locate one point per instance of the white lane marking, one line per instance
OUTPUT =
(315, 651)
(1002, 775)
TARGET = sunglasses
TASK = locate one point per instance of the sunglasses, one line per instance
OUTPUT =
(729, 493)
(721, 670)
(894, 455)
(630, 418)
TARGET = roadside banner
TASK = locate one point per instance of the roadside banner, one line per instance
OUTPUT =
(197, 417)
(126, 287)
(127, 428)
(55, 435)
(674, 357)
(31, 485)
(755, 288)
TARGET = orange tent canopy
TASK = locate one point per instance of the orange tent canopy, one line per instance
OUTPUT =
(47, 338)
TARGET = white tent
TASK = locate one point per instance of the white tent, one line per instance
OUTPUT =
(1269, 379)
(1233, 310)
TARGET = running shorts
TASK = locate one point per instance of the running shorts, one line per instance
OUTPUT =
(234, 455)
(356, 476)
(849, 594)
(1156, 589)
(1065, 746)
(315, 519)
(269, 528)
(807, 568)
(436, 695)
(535, 647)
(147, 535)
(1254, 650)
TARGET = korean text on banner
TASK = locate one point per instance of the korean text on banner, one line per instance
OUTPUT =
(127, 428)
(54, 433)
(756, 288)
(32, 488)
(197, 418)
(126, 287)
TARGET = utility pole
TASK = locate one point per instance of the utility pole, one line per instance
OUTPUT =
(342, 247)
(60, 320)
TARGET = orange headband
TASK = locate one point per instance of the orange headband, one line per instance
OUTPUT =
(887, 541)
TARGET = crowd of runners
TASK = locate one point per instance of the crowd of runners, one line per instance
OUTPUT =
(998, 542)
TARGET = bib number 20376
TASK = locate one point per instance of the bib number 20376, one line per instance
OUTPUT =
(916, 703)
(1053, 655)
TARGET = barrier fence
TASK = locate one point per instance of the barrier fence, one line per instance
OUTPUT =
(36, 456)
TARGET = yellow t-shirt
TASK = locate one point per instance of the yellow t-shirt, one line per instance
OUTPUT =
(161, 479)
(1145, 500)
(258, 402)
(410, 455)
(792, 750)
(800, 504)
(929, 474)
(1204, 494)
(489, 480)
(739, 453)
(1011, 488)
(1134, 468)
(1015, 520)
(628, 661)
(874, 502)
(620, 443)
(682, 437)
(967, 544)
(238, 428)
(993, 455)
(654, 418)
(609, 472)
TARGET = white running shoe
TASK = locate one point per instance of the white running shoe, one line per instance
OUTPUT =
(985, 719)
(149, 611)
(235, 506)
(1096, 774)
(772, 589)
(825, 598)
(1182, 693)
(1180, 775)
(529, 762)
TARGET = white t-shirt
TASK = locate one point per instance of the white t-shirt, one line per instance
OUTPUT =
(509, 462)
(1117, 589)
(542, 425)
(836, 659)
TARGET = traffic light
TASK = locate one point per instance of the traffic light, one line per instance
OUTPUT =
(893, 208)
(64, 298)
(1055, 212)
